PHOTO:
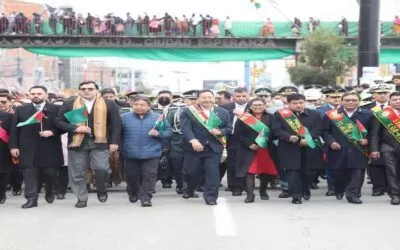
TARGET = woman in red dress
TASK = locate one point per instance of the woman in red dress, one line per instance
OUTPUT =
(252, 159)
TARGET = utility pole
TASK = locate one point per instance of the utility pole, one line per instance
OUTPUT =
(368, 36)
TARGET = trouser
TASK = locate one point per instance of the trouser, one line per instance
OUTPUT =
(177, 168)
(208, 162)
(378, 179)
(282, 175)
(31, 180)
(228, 33)
(299, 181)
(236, 184)
(3, 183)
(78, 164)
(61, 180)
(141, 176)
(392, 172)
(222, 170)
(329, 179)
(349, 181)
(16, 178)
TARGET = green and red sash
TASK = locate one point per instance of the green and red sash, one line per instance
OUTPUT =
(353, 132)
(208, 122)
(261, 129)
(294, 123)
(389, 119)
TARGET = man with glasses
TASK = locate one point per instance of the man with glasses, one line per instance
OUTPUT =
(345, 134)
(90, 142)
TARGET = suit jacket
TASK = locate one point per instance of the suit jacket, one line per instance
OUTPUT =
(5, 156)
(381, 139)
(192, 129)
(291, 155)
(348, 156)
(36, 151)
(113, 129)
(323, 109)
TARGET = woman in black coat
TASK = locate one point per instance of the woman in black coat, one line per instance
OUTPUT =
(5, 156)
(255, 159)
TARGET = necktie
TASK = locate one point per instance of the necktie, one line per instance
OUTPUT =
(382, 106)
(37, 107)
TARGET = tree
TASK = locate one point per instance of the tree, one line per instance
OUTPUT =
(325, 57)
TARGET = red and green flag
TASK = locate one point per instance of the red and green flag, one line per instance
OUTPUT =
(161, 124)
(257, 126)
(213, 121)
(359, 132)
(35, 118)
(3, 134)
(77, 115)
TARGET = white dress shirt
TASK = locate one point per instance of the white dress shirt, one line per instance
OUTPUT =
(40, 106)
(89, 104)
(239, 107)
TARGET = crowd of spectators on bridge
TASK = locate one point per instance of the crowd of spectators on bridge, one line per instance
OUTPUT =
(71, 23)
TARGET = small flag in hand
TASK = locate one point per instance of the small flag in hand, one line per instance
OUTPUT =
(77, 115)
(35, 118)
(160, 124)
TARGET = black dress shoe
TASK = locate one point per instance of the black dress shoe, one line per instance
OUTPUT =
(81, 204)
(30, 203)
(264, 196)
(3, 199)
(353, 200)
(339, 196)
(395, 200)
(166, 185)
(284, 194)
(133, 198)
(306, 197)
(236, 193)
(102, 197)
(330, 193)
(228, 189)
(179, 190)
(249, 198)
(314, 186)
(296, 200)
(16, 191)
(60, 196)
(187, 195)
(211, 203)
(146, 204)
(50, 199)
(378, 193)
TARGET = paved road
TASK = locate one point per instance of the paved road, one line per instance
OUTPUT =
(173, 223)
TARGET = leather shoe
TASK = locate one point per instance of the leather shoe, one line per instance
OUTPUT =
(378, 193)
(211, 203)
(330, 193)
(50, 199)
(339, 196)
(296, 201)
(146, 204)
(81, 204)
(30, 203)
(314, 186)
(187, 195)
(395, 200)
(3, 199)
(166, 185)
(228, 189)
(133, 198)
(179, 190)
(264, 196)
(284, 194)
(17, 191)
(353, 200)
(236, 193)
(102, 197)
(306, 197)
(60, 196)
(249, 198)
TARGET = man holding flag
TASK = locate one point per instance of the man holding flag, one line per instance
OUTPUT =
(94, 130)
(36, 142)
(298, 130)
(204, 128)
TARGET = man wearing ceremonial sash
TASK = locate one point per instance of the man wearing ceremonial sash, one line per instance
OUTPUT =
(204, 128)
(345, 133)
(376, 169)
(5, 156)
(298, 130)
(385, 144)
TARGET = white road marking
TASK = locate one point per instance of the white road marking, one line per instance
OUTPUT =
(224, 223)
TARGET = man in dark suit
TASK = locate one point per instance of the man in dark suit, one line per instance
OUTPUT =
(346, 155)
(380, 93)
(385, 144)
(299, 157)
(90, 143)
(38, 146)
(333, 96)
(239, 105)
(203, 144)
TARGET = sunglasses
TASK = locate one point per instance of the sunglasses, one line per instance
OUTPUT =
(88, 89)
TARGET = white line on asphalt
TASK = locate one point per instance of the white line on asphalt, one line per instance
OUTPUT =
(224, 223)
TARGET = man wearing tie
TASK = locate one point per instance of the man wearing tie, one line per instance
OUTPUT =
(380, 93)
(37, 146)
(237, 107)
(204, 128)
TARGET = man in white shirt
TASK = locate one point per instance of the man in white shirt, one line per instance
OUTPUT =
(228, 27)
